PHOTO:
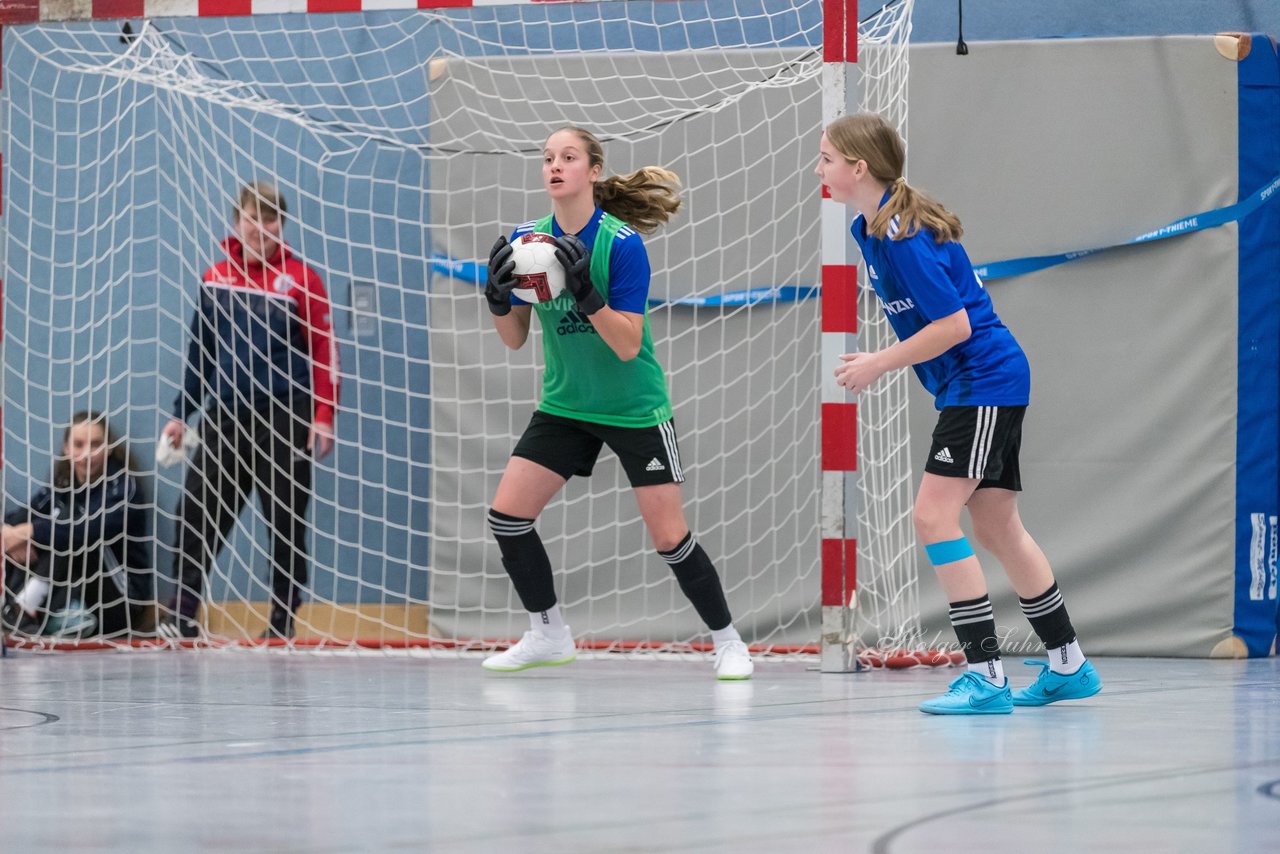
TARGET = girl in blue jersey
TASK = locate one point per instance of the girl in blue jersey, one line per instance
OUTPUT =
(601, 386)
(949, 333)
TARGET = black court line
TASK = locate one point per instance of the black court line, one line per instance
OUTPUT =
(44, 718)
(703, 721)
(883, 843)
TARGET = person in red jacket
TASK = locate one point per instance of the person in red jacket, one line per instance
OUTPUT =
(262, 369)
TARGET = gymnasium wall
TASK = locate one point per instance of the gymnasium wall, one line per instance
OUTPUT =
(1142, 460)
(1151, 438)
(1147, 446)
(1007, 20)
(731, 370)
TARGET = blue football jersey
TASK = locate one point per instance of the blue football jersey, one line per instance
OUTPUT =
(919, 281)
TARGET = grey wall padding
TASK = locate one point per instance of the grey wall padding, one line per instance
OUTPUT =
(1129, 450)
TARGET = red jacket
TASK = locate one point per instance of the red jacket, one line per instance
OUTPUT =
(260, 332)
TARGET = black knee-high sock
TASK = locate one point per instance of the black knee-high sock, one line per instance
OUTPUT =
(525, 559)
(975, 626)
(1047, 614)
(698, 579)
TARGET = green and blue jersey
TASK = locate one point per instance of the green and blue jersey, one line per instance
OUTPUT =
(582, 377)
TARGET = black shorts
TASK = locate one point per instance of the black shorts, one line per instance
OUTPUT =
(567, 446)
(979, 442)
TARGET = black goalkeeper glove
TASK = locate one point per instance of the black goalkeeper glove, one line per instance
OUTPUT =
(497, 288)
(576, 261)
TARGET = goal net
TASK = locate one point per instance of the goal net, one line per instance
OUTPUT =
(404, 143)
(885, 613)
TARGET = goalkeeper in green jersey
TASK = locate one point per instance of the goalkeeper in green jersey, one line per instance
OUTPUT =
(601, 386)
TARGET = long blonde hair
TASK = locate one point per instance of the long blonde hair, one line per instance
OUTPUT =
(643, 199)
(867, 136)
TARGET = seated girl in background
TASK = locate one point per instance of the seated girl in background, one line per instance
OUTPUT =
(76, 557)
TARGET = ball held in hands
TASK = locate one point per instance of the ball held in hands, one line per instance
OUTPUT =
(539, 274)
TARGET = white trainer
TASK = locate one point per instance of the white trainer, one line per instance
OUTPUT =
(534, 650)
(733, 661)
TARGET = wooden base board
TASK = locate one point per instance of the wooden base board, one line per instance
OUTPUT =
(320, 621)
(1232, 647)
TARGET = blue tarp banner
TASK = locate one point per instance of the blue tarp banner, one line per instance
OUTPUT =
(475, 272)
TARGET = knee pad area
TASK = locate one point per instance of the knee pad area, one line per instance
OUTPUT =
(948, 551)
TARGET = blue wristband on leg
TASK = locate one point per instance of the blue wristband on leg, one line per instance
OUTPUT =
(949, 551)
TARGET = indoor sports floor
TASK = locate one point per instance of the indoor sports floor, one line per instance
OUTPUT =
(254, 751)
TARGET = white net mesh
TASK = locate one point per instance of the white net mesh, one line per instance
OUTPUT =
(404, 143)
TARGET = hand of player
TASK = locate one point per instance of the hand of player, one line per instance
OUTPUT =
(500, 281)
(11, 540)
(858, 371)
(17, 538)
(23, 554)
(174, 431)
(576, 260)
(320, 442)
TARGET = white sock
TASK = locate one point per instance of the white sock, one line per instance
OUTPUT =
(32, 595)
(992, 671)
(720, 637)
(548, 622)
(1066, 659)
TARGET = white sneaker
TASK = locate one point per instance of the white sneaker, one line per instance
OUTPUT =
(733, 661)
(534, 650)
(175, 629)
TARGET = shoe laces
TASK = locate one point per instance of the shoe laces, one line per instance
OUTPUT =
(730, 648)
(958, 686)
(536, 642)
(1044, 670)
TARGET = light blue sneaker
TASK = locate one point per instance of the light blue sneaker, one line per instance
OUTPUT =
(971, 694)
(1051, 687)
(74, 620)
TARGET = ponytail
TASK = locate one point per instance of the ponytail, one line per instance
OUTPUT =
(644, 199)
(914, 211)
(868, 137)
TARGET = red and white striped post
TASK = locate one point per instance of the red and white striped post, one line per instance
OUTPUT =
(839, 335)
(30, 11)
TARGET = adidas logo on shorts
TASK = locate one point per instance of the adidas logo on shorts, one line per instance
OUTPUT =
(654, 465)
(944, 456)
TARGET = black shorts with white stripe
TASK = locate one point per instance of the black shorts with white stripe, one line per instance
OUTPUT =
(980, 442)
(649, 455)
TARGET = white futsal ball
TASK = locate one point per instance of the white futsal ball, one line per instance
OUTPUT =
(539, 276)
